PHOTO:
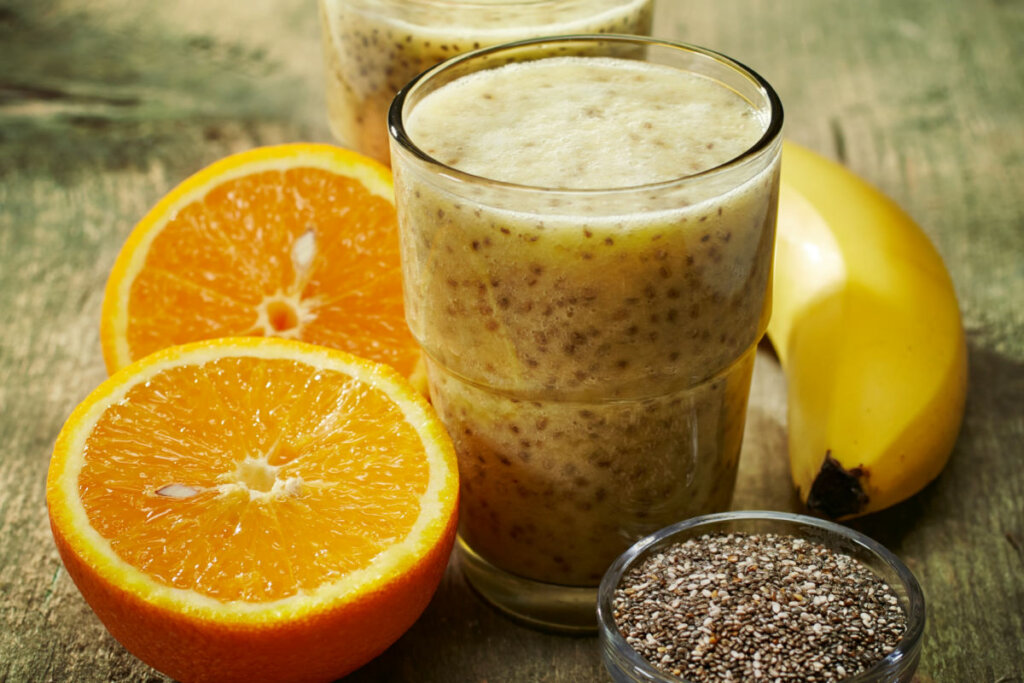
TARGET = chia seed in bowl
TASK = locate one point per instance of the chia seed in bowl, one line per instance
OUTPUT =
(759, 596)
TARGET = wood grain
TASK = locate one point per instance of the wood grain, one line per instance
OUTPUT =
(106, 105)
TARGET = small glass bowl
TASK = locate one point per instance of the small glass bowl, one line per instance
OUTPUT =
(626, 665)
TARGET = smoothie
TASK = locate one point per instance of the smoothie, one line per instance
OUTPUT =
(374, 47)
(589, 348)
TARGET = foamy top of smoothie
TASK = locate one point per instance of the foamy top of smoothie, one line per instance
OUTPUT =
(584, 123)
(503, 20)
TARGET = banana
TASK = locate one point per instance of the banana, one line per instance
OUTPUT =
(866, 326)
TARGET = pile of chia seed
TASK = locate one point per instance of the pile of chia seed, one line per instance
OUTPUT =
(757, 607)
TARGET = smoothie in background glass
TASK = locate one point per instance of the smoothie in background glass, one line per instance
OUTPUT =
(374, 47)
(587, 247)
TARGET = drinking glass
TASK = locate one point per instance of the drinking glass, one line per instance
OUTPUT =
(374, 47)
(589, 351)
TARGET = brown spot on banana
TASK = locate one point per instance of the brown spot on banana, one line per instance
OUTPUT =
(836, 491)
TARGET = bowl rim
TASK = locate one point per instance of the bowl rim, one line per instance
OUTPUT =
(915, 611)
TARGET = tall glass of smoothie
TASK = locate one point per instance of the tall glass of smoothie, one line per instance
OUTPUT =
(587, 225)
(374, 47)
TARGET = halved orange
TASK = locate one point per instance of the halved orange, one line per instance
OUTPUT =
(254, 509)
(296, 240)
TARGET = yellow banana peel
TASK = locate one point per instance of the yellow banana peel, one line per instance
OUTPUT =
(866, 325)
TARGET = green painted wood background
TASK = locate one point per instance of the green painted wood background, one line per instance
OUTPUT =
(105, 105)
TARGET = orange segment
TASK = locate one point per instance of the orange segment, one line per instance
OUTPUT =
(295, 240)
(254, 509)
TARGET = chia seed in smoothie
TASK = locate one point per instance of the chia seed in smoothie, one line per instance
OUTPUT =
(374, 47)
(589, 319)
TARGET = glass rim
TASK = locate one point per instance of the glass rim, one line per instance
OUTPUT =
(772, 133)
(488, 4)
(906, 645)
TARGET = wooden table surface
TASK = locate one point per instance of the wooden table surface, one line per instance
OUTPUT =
(105, 105)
